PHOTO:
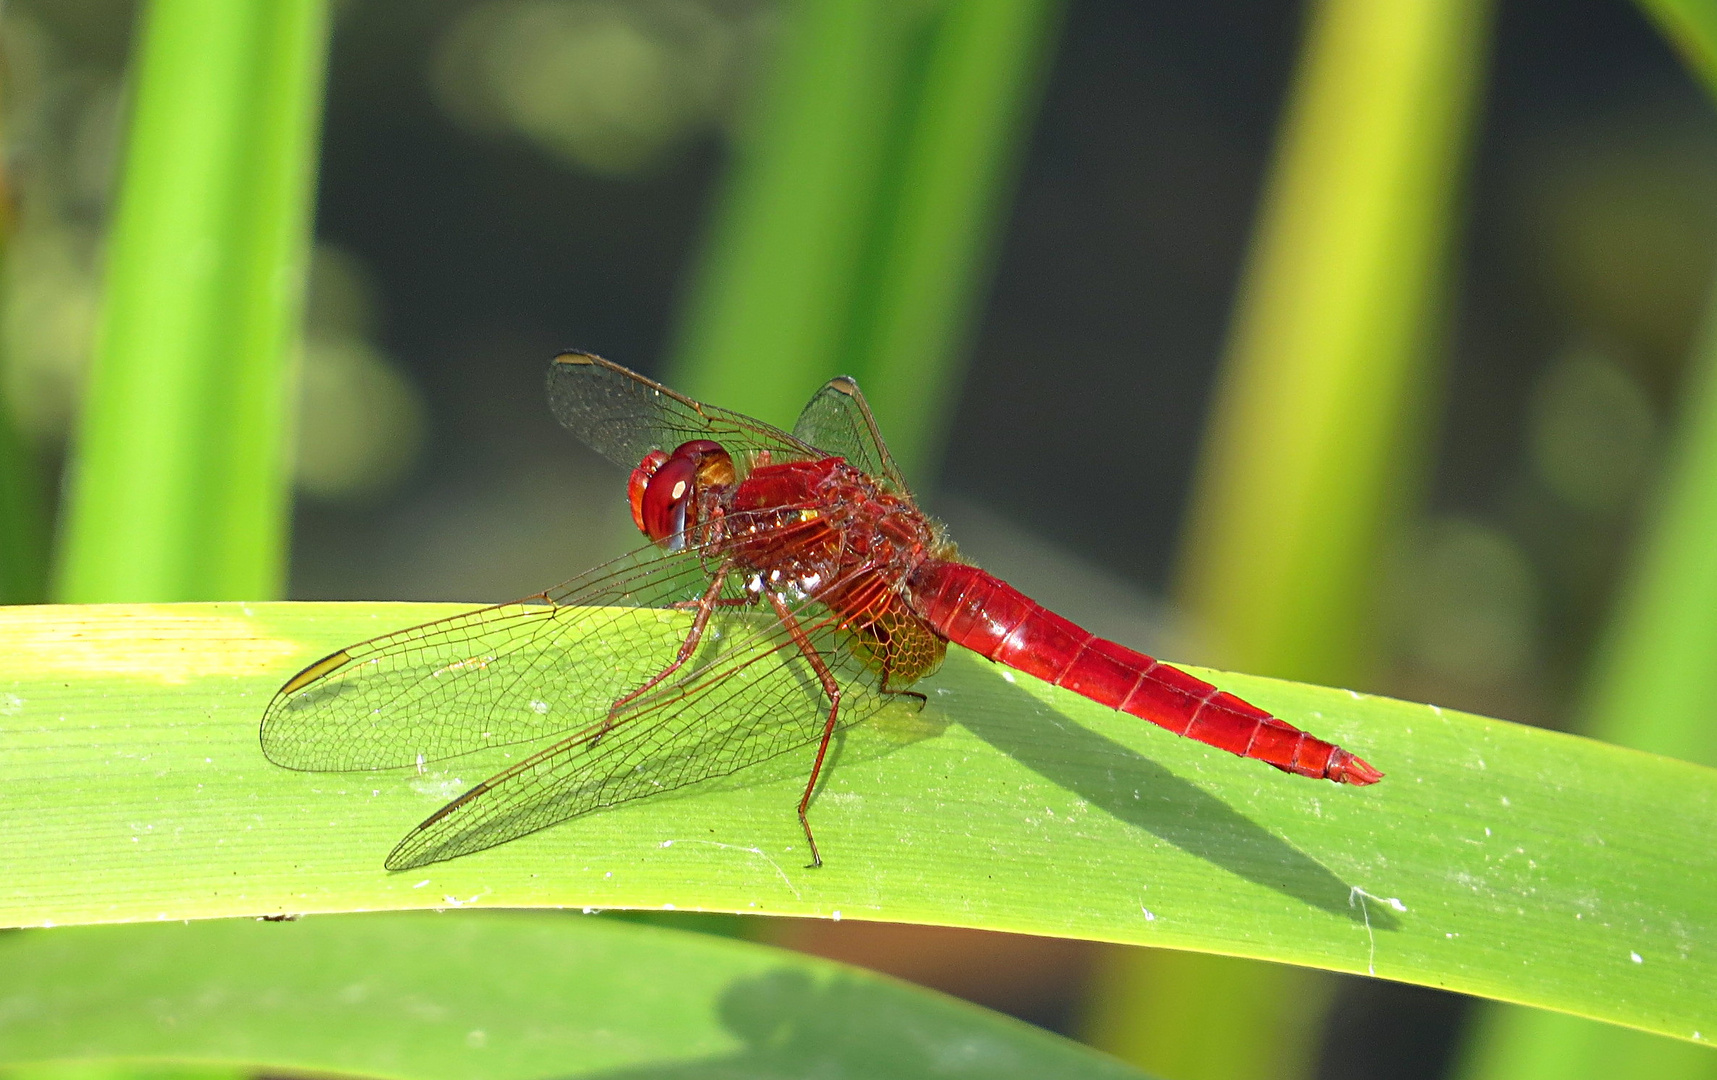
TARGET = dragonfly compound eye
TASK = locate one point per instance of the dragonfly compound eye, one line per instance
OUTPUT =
(640, 481)
(663, 488)
(662, 509)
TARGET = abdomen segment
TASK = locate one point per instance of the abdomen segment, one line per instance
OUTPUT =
(997, 621)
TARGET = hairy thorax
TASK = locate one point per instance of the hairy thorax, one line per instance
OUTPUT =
(816, 527)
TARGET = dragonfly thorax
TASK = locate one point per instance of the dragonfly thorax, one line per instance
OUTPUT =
(813, 525)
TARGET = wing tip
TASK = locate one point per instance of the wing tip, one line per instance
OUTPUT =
(402, 857)
(843, 384)
(577, 358)
(326, 666)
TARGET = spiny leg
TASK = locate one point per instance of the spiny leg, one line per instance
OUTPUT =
(706, 605)
(830, 688)
(888, 675)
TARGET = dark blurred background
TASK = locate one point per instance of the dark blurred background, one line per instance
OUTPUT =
(473, 219)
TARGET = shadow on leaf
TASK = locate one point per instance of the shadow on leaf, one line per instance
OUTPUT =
(1137, 790)
(793, 1025)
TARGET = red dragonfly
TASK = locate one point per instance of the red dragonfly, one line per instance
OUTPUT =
(791, 587)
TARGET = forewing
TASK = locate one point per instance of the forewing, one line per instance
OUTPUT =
(623, 416)
(750, 697)
(494, 677)
(838, 420)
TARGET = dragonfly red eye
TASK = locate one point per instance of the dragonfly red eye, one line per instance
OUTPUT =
(664, 487)
(662, 510)
(640, 481)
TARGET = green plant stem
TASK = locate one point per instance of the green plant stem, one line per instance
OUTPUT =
(1691, 25)
(1316, 440)
(1655, 681)
(23, 520)
(943, 199)
(180, 483)
(1654, 687)
(23, 508)
(769, 303)
(1317, 433)
(857, 223)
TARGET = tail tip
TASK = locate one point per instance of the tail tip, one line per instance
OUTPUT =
(1347, 769)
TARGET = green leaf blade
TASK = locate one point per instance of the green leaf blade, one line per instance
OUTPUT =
(1528, 865)
(507, 997)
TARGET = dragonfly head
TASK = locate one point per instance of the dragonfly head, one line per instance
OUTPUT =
(664, 488)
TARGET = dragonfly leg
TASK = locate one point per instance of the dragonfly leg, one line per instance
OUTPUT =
(706, 605)
(833, 690)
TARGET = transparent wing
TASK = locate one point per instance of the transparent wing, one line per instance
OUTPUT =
(495, 677)
(838, 420)
(753, 698)
(623, 415)
(506, 678)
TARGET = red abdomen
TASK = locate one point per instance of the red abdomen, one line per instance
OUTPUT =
(995, 620)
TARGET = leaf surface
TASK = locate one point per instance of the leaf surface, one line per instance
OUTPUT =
(500, 996)
(1494, 859)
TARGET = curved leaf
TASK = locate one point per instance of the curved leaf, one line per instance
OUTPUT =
(1495, 859)
(504, 997)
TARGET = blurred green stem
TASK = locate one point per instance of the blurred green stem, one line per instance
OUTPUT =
(23, 505)
(1316, 437)
(1316, 440)
(1654, 687)
(1194, 1016)
(1654, 683)
(943, 202)
(857, 225)
(1692, 26)
(23, 519)
(180, 482)
(23, 509)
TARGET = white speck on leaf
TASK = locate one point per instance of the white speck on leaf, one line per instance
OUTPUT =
(1636, 958)
(454, 901)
